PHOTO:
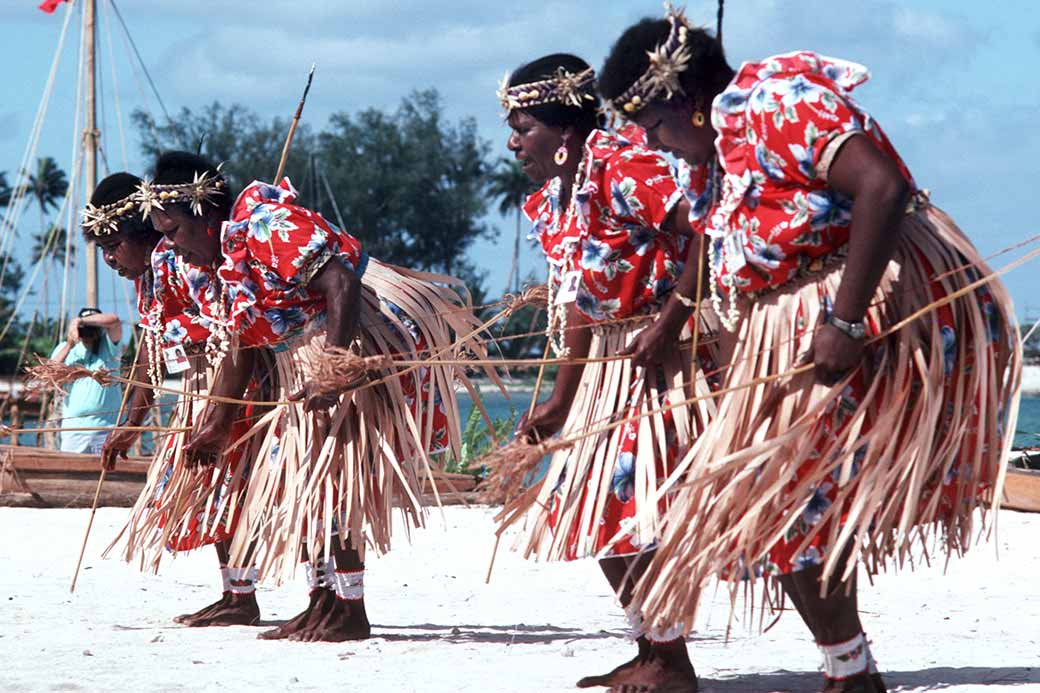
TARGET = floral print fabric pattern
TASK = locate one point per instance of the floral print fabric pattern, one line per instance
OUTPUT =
(774, 123)
(272, 249)
(173, 290)
(626, 192)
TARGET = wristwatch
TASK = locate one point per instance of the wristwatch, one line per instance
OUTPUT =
(856, 330)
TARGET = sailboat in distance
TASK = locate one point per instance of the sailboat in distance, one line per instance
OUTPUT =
(32, 472)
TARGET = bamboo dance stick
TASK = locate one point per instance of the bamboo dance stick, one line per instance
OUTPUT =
(101, 481)
(292, 127)
(530, 411)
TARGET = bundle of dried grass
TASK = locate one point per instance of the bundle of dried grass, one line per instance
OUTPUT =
(537, 295)
(512, 466)
(340, 369)
(55, 375)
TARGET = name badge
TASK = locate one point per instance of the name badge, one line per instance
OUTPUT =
(568, 291)
(733, 252)
(176, 359)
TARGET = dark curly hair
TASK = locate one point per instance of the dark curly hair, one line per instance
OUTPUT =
(113, 189)
(176, 167)
(705, 76)
(557, 114)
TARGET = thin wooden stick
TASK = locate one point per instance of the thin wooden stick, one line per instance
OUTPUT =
(90, 523)
(292, 127)
(530, 411)
(101, 479)
(697, 311)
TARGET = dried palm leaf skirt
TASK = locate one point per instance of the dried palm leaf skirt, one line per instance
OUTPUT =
(340, 473)
(898, 456)
(590, 499)
(182, 508)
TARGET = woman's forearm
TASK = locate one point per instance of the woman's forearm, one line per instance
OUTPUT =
(341, 290)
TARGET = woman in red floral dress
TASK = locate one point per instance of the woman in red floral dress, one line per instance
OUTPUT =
(172, 330)
(823, 252)
(290, 292)
(612, 224)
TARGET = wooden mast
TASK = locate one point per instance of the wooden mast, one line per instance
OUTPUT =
(90, 135)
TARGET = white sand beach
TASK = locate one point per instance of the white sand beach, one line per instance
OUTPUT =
(438, 627)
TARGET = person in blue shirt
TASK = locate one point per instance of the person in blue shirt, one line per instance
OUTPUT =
(91, 342)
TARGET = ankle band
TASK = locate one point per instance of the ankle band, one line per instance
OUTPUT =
(636, 627)
(243, 580)
(871, 662)
(350, 584)
(225, 581)
(660, 636)
(845, 659)
(318, 574)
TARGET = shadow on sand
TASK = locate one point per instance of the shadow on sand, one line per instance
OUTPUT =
(935, 679)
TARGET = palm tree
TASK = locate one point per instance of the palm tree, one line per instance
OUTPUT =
(5, 190)
(47, 184)
(511, 186)
(52, 244)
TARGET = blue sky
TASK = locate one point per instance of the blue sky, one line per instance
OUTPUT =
(952, 81)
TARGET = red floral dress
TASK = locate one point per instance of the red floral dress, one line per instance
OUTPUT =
(774, 123)
(612, 231)
(166, 300)
(272, 249)
(628, 263)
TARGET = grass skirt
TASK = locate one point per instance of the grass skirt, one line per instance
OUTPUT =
(341, 472)
(589, 501)
(896, 457)
(180, 508)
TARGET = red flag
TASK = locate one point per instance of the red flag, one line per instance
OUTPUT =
(49, 6)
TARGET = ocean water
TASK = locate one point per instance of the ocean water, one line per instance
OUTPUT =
(1027, 433)
(499, 407)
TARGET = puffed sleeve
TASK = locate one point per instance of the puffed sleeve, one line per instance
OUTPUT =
(293, 244)
(640, 187)
(796, 124)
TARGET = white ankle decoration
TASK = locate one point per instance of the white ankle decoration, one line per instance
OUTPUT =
(317, 574)
(662, 635)
(636, 627)
(871, 662)
(224, 579)
(350, 584)
(845, 659)
(245, 579)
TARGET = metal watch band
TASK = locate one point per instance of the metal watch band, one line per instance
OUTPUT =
(856, 330)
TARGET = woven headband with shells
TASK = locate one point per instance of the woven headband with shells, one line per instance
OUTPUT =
(203, 188)
(667, 62)
(104, 220)
(563, 87)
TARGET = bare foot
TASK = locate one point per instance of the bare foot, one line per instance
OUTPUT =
(190, 619)
(608, 678)
(321, 601)
(345, 621)
(659, 668)
(239, 610)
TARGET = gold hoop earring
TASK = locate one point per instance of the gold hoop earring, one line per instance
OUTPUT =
(560, 157)
(697, 119)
